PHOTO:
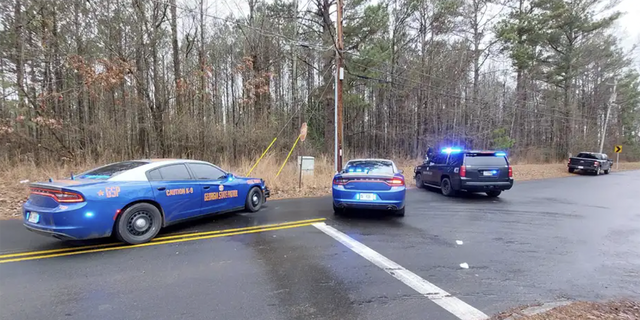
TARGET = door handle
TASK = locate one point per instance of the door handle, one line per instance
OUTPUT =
(161, 188)
(206, 188)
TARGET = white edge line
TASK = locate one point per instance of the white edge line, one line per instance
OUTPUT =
(442, 298)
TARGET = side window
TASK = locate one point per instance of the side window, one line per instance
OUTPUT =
(154, 175)
(175, 172)
(455, 160)
(441, 158)
(206, 172)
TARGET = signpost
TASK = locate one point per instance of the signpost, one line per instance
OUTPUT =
(618, 150)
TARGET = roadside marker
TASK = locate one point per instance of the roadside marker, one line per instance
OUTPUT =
(440, 297)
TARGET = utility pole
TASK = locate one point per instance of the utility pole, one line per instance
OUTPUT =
(612, 100)
(338, 94)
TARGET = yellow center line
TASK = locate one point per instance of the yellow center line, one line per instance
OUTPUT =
(157, 243)
(183, 235)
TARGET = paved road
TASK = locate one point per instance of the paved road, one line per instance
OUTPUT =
(547, 240)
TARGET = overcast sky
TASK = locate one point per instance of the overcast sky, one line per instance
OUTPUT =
(628, 27)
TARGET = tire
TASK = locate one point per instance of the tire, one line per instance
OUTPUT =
(598, 171)
(337, 211)
(494, 193)
(254, 200)
(138, 224)
(607, 171)
(419, 182)
(571, 170)
(446, 188)
(399, 212)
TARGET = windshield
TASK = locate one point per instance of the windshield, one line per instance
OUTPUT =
(484, 160)
(370, 167)
(111, 170)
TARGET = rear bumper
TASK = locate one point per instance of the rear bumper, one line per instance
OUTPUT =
(583, 167)
(71, 223)
(393, 199)
(486, 186)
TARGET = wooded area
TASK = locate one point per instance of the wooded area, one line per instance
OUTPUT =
(126, 79)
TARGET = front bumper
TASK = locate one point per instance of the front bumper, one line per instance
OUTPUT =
(475, 186)
(266, 192)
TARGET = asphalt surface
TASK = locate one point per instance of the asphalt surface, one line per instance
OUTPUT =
(575, 238)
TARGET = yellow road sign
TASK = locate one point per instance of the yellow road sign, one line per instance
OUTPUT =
(617, 149)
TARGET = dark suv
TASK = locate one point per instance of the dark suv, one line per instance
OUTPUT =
(455, 170)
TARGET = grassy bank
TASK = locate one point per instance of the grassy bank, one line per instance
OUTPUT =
(286, 185)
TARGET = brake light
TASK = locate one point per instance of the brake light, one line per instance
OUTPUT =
(463, 171)
(395, 182)
(58, 195)
(510, 172)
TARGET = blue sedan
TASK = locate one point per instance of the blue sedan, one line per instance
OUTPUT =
(369, 184)
(133, 200)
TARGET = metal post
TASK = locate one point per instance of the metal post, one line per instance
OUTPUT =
(300, 179)
(617, 160)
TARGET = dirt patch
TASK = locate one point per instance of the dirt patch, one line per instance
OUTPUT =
(613, 310)
(14, 179)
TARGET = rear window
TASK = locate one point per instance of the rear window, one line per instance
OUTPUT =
(370, 167)
(111, 170)
(484, 160)
(587, 155)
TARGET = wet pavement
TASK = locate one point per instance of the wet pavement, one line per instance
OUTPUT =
(560, 239)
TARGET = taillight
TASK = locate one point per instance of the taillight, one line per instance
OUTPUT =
(463, 171)
(58, 195)
(510, 172)
(339, 181)
(395, 182)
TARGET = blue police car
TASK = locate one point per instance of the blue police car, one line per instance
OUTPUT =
(135, 199)
(369, 184)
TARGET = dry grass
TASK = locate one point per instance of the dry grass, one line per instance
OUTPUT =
(284, 186)
(614, 310)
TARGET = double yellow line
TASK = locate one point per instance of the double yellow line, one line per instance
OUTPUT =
(33, 255)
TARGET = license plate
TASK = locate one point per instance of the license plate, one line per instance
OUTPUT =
(487, 173)
(580, 167)
(34, 217)
(367, 196)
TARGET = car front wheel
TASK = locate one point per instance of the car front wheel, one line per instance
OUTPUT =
(419, 182)
(254, 200)
(138, 224)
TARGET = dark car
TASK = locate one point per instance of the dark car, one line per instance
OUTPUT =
(590, 162)
(454, 170)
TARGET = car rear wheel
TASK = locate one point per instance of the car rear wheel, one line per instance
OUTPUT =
(254, 200)
(138, 224)
(494, 193)
(445, 187)
(419, 182)
(337, 210)
(571, 170)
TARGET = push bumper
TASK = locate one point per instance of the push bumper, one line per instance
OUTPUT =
(266, 192)
(475, 186)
